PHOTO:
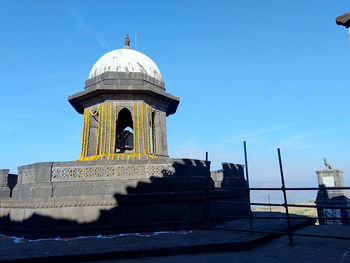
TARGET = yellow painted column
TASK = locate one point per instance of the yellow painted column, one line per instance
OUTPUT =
(138, 130)
(143, 130)
(147, 130)
(115, 127)
(110, 130)
(134, 129)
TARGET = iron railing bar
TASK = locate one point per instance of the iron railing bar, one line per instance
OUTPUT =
(317, 188)
(287, 188)
(243, 203)
(284, 232)
(285, 204)
(283, 217)
(319, 206)
(290, 205)
(247, 175)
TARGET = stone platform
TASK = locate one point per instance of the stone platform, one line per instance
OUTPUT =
(139, 245)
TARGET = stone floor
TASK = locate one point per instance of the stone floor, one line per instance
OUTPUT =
(187, 246)
(305, 249)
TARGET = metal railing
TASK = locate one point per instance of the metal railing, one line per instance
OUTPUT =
(290, 230)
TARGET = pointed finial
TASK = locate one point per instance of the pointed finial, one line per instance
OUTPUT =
(127, 41)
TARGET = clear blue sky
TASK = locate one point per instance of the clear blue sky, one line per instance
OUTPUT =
(273, 73)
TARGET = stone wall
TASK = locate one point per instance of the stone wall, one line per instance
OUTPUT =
(56, 179)
(119, 196)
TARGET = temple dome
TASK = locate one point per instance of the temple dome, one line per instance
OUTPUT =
(125, 60)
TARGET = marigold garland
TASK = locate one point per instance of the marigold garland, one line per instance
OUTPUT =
(134, 129)
(115, 127)
(138, 129)
(110, 130)
(143, 130)
(147, 129)
(94, 114)
(84, 141)
(103, 129)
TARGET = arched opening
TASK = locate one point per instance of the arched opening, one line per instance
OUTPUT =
(125, 132)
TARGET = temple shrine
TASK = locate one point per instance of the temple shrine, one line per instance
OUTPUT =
(124, 179)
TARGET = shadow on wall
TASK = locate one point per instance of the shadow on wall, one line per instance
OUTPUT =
(11, 182)
(7, 183)
(180, 199)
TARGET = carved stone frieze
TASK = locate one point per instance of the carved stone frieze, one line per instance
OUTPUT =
(106, 172)
(58, 202)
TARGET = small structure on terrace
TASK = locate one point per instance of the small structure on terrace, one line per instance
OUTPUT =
(125, 106)
(332, 203)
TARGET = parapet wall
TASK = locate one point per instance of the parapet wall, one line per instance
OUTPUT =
(226, 179)
(231, 175)
(57, 179)
(124, 195)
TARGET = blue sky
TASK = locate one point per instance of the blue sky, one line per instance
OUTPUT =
(273, 73)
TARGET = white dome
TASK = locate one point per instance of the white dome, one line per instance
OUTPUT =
(125, 60)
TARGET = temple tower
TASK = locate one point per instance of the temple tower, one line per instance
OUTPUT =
(125, 106)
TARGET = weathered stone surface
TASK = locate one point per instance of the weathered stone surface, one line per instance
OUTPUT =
(111, 177)
(154, 193)
(124, 83)
(4, 189)
(230, 176)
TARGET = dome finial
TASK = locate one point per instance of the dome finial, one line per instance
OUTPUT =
(127, 41)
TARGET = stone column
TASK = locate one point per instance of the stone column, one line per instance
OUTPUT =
(4, 189)
(146, 128)
(163, 134)
(138, 129)
(160, 135)
(92, 135)
(110, 128)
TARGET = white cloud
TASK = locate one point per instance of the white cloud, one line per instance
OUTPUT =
(189, 149)
(305, 140)
(86, 30)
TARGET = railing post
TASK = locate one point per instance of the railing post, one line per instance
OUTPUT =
(246, 172)
(283, 188)
(207, 208)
